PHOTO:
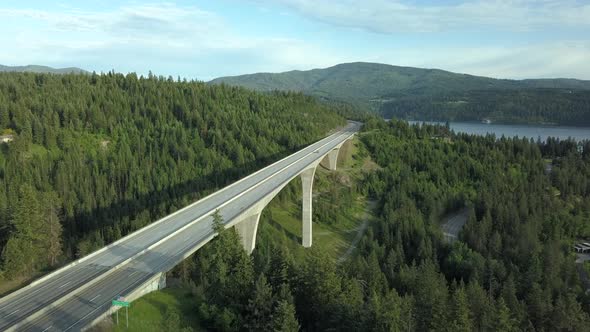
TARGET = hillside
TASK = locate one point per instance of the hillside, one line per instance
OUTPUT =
(42, 69)
(383, 87)
(97, 157)
(363, 81)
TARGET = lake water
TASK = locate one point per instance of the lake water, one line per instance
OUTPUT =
(528, 131)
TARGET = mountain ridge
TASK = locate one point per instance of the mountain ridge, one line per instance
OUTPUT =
(42, 69)
(365, 81)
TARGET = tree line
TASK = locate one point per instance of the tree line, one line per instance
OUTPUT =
(538, 106)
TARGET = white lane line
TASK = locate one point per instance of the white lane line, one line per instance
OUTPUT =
(47, 328)
(13, 312)
(133, 273)
(94, 298)
(64, 284)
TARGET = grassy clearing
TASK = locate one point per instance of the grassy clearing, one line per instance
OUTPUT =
(8, 286)
(284, 220)
(151, 312)
(282, 217)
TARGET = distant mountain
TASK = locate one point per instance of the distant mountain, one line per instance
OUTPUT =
(434, 94)
(42, 69)
(373, 83)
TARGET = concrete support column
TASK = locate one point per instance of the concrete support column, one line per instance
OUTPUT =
(333, 159)
(247, 231)
(307, 183)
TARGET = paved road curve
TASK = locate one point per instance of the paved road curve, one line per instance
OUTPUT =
(72, 297)
(454, 224)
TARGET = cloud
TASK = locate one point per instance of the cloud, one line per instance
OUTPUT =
(567, 59)
(390, 16)
(166, 38)
(187, 41)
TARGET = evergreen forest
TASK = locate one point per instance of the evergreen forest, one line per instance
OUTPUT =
(525, 106)
(95, 157)
(512, 268)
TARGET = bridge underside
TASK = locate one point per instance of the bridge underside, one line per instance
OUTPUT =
(246, 224)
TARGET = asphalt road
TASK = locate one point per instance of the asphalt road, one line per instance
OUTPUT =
(454, 224)
(85, 290)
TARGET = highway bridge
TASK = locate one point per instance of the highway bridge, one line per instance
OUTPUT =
(80, 294)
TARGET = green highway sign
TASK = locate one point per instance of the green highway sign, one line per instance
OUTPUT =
(120, 303)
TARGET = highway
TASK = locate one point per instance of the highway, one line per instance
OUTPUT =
(72, 297)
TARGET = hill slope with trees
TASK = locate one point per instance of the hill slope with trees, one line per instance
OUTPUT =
(95, 157)
(387, 89)
(511, 270)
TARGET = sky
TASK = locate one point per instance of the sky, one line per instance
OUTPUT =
(207, 39)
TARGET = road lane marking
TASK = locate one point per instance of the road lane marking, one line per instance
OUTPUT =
(64, 284)
(13, 312)
(47, 328)
(133, 273)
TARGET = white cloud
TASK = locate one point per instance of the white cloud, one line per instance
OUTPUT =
(391, 16)
(166, 38)
(545, 60)
(190, 42)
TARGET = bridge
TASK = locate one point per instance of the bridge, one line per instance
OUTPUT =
(79, 294)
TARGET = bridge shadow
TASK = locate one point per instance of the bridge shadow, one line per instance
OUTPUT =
(290, 235)
(159, 203)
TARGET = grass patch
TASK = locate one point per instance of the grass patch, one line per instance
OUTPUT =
(8, 286)
(281, 220)
(149, 313)
(286, 218)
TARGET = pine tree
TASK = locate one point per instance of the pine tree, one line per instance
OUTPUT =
(24, 248)
(53, 228)
(460, 313)
(217, 222)
(284, 319)
(504, 321)
(260, 306)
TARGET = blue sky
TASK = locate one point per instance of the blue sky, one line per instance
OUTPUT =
(207, 39)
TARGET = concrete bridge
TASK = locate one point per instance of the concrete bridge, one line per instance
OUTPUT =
(80, 294)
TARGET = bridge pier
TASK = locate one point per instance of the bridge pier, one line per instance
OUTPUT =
(247, 223)
(333, 159)
(247, 231)
(307, 184)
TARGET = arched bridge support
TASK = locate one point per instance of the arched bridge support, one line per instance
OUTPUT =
(333, 159)
(246, 224)
(247, 230)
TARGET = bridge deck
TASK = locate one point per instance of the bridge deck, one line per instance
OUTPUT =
(84, 291)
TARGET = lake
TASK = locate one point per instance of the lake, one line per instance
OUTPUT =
(528, 131)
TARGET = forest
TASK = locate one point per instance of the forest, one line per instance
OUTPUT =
(95, 157)
(511, 270)
(526, 106)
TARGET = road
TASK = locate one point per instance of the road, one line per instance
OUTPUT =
(453, 225)
(360, 231)
(72, 297)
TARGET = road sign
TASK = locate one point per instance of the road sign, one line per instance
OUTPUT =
(120, 303)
